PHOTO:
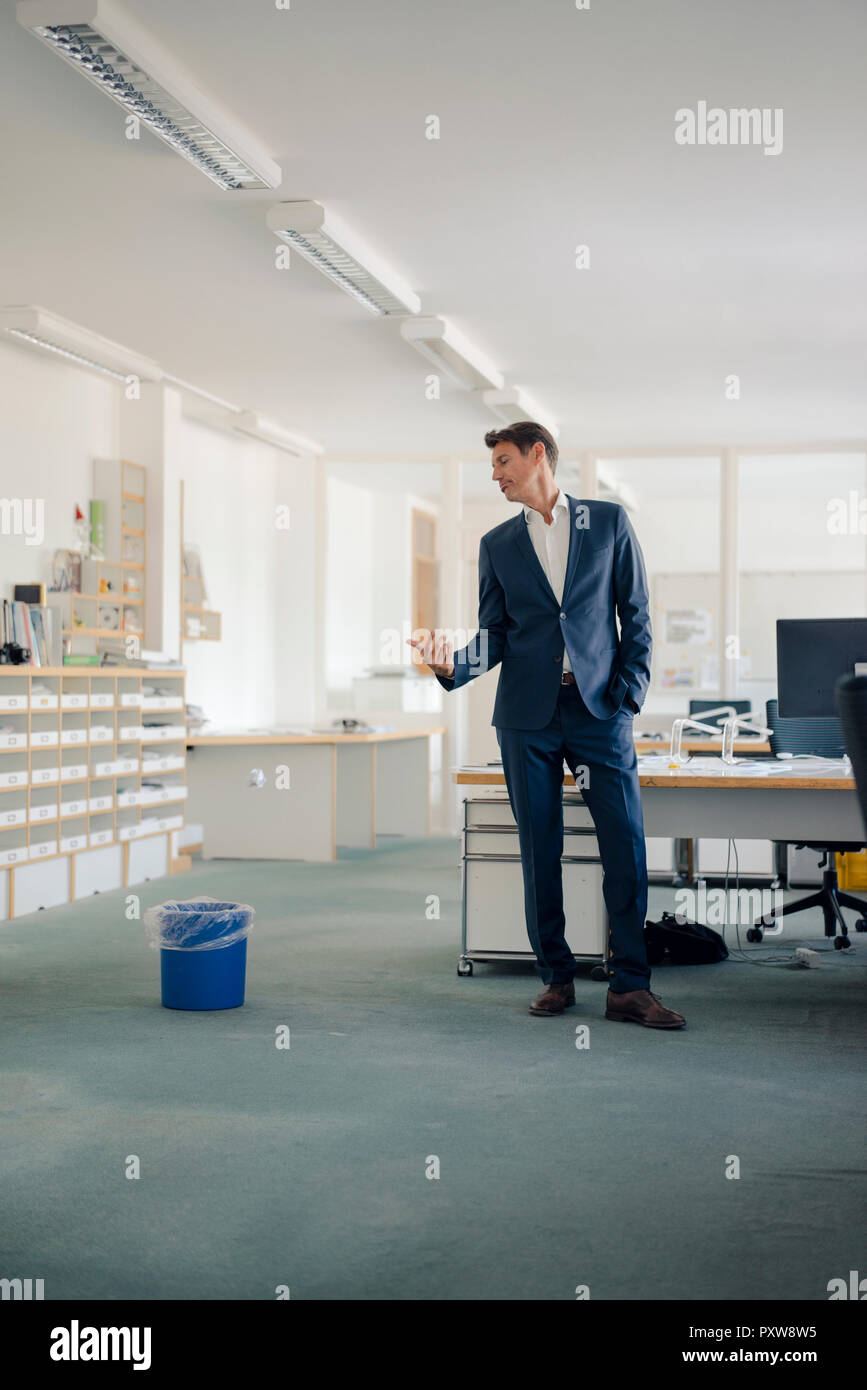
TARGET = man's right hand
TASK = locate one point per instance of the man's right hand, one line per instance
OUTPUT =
(436, 651)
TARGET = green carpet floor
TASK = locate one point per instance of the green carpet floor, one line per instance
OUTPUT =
(306, 1167)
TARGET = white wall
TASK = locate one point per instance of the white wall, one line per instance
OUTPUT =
(350, 643)
(369, 579)
(678, 536)
(55, 419)
(232, 486)
(391, 576)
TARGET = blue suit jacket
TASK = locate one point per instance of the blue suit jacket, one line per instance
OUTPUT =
(524, 628)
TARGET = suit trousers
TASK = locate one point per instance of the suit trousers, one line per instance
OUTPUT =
(602, 753)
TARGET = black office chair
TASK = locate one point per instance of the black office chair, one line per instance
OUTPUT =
(821, 738)
(852, 704)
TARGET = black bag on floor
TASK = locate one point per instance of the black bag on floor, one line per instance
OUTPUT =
(682, 942)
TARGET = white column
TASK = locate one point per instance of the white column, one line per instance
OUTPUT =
(589, 474)
(148, 430)
(729, 626)
(320, 578)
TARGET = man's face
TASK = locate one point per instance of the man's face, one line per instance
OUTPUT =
(515, 473)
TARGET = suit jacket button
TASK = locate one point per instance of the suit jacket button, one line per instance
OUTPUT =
(562, 615)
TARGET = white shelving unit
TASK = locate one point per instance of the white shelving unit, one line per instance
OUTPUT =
(76, 744)
(198, 623)
(109, 609)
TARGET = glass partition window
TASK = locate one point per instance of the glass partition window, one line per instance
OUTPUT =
(802, 543)
(674, 507)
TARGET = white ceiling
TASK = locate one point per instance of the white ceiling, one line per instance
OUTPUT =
(557, 129)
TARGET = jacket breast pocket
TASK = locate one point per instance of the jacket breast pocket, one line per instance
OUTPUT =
(596, 558)
(595, 569)
(598, 553)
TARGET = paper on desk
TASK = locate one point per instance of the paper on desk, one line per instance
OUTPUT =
(760, 767)
(705, 767)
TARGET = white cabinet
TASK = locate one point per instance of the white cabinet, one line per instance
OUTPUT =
(98, 870)
(96, 836)
(41, 885)
(148, 858)
(493, 919)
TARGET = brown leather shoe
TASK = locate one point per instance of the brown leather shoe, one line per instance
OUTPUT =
(640, 1006)
(553, 1000)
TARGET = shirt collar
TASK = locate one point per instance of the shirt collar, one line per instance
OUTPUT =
(531, 515)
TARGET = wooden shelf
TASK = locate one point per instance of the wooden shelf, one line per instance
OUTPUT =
(23, 837)
(100, 632)
(122, 487)
(103, 598)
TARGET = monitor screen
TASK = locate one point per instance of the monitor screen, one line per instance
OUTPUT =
(812, 655)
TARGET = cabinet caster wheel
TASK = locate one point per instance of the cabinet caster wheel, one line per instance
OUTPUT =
(841, 943)
(755, 934)
(861, 924)
(465, 967)
(598, 972)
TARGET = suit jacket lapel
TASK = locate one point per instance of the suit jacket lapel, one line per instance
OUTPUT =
(531, 559)
(576, 540)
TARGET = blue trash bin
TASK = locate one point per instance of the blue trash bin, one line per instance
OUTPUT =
(203, 952)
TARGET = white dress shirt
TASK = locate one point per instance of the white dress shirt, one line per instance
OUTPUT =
(551, 544)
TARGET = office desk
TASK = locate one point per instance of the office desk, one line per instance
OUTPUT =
(676, 803)
(783, 806)
(320, 790)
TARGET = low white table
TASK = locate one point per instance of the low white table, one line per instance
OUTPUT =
(318, 791)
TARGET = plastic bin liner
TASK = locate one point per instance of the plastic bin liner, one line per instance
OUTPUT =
(201, 924)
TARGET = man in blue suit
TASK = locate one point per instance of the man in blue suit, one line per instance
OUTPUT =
(553, 581)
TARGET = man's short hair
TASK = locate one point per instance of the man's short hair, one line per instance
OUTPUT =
(524, 434)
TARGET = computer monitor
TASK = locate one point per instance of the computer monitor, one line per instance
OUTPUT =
(698, 708)
(812, 655)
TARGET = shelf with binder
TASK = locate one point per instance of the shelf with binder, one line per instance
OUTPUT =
(15, 693)
(14, 770)
(75, 783)
(14, 731)
(44, 804)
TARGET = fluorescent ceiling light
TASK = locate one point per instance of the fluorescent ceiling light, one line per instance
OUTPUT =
(333, 248)
(113, 50)
(218, 414)
(511, 404)
(35, 327)
(450, 352)
(248, 422)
